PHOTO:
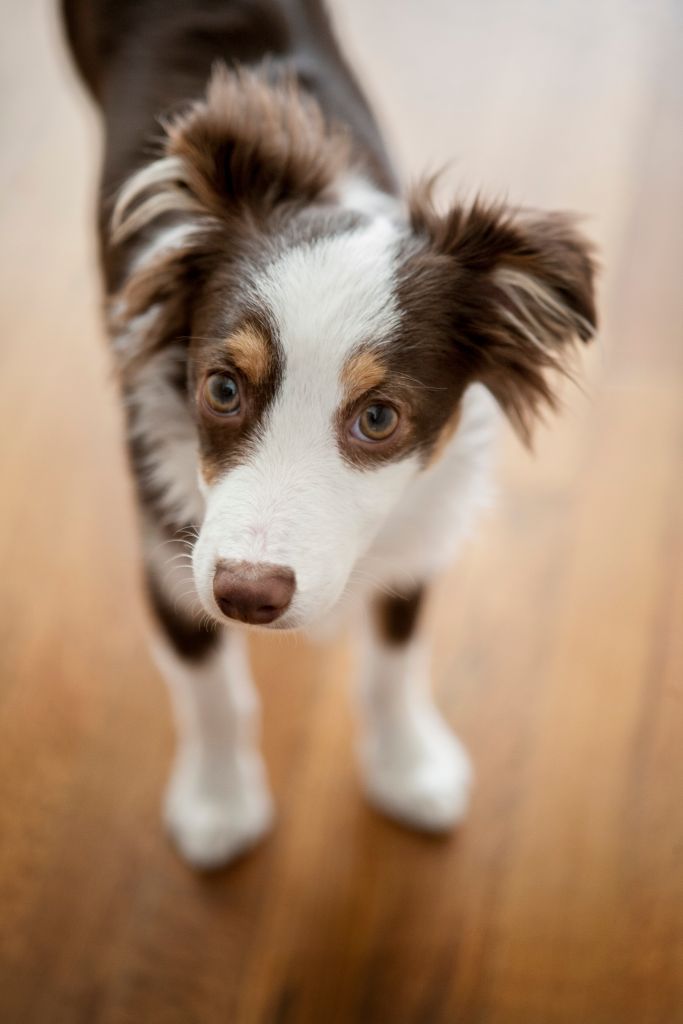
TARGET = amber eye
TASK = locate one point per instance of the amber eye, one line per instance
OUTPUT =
(222, 394)
(376, 423)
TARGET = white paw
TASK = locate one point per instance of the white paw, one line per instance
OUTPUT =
(416, 771)
(212, 825)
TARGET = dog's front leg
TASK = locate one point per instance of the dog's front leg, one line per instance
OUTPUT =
(217, 803)
(413, 766)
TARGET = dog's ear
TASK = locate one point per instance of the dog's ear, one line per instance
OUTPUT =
(519, 291)
(254, 141)
(153, 306)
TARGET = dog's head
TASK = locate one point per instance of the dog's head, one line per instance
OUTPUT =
(326, 333)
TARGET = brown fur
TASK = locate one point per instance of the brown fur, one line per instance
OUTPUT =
(252, 163)
(239, 165)
(191, 640)
(509, 292)
(254, 143)
(363, 372)
(249, 146)
(447, 432)
(397, 615)
(168, 282)
(250, 351)
(224, 442)
(210, 468)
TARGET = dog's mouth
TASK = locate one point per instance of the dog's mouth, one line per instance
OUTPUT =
(281, 626)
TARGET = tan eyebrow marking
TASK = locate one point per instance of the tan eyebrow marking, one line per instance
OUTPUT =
(362, 372)
(250, 352)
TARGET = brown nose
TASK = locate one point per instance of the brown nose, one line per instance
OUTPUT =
(254, 592)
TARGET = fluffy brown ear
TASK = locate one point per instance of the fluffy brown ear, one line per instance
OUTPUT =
(520, 292)
(254, 141)
(152, 307)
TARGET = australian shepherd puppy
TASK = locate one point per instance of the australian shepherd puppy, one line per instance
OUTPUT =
(312, 365)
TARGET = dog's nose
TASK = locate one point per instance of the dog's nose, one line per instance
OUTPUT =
(253, 592)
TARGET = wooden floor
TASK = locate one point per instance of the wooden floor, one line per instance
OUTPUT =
(559, 636)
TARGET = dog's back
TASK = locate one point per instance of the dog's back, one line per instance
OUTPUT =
(142, 59)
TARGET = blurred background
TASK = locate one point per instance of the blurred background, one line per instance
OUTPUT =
(558, 636)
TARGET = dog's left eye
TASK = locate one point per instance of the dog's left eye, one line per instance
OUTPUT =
(222, 394)
(376, 423)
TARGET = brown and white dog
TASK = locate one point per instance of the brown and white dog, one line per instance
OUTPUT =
(311, 367)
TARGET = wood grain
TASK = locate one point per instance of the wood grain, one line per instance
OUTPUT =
(558, 637)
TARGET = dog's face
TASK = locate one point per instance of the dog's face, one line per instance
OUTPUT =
(308, 435)
(329, 343)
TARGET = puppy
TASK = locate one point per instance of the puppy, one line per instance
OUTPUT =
(311, 367)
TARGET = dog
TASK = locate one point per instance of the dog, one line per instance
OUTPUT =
(312, 364)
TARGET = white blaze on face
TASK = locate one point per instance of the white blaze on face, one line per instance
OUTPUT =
(296, 502)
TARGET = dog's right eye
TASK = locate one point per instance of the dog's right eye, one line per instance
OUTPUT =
(376, 423)
(222, 394)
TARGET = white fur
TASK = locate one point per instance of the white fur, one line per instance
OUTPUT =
(162, 419)
(344, 531)
(527, 293)
(169, 561)
(176, 236)
(438, 510)
(164, 177)
(356, 193)
(295, 501)
(327, 296)
(217, 802)
(163, 422)
(413, 767)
